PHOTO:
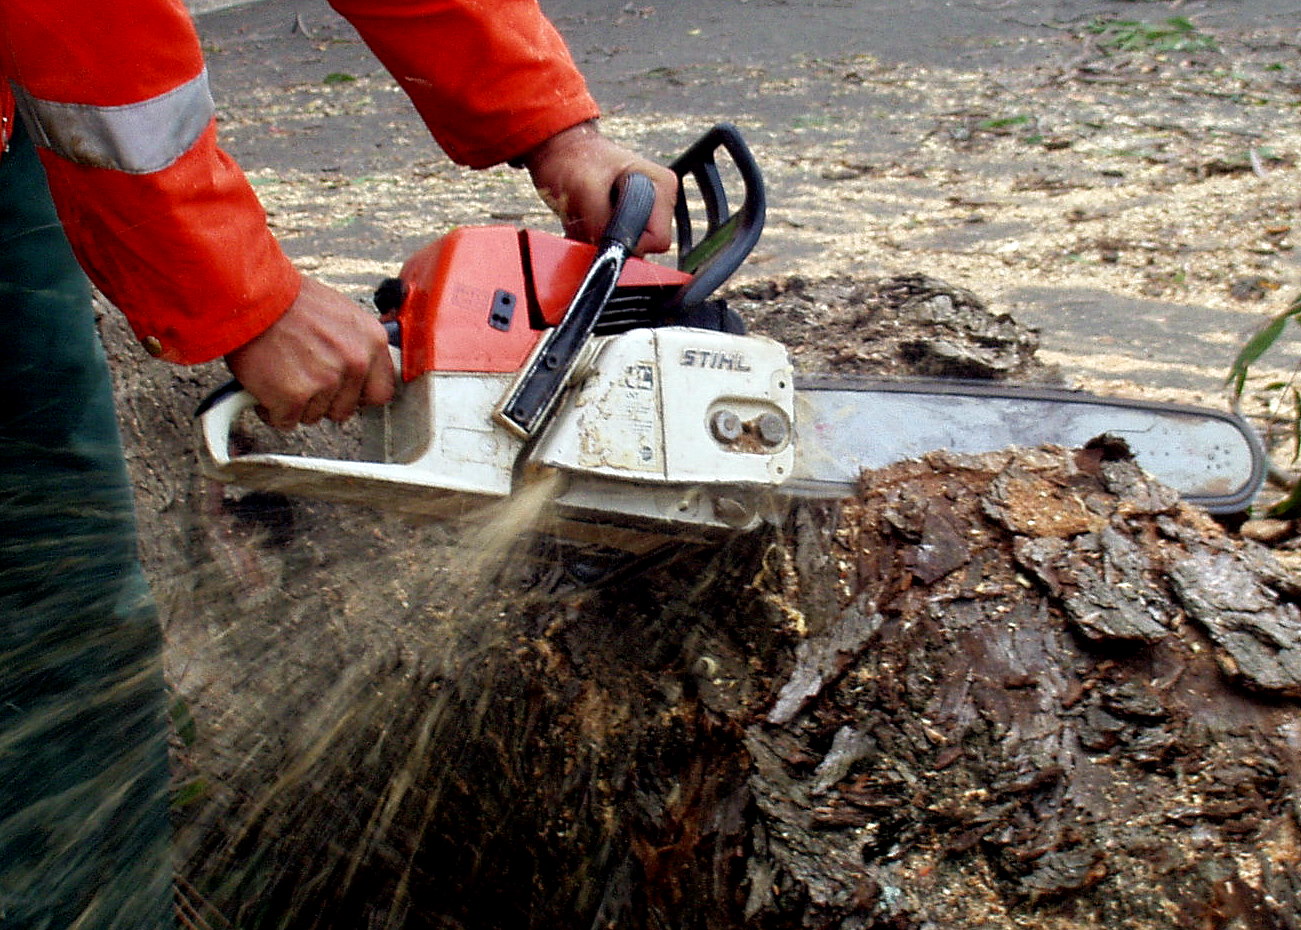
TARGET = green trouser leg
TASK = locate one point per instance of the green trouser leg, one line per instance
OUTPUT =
(83, 735)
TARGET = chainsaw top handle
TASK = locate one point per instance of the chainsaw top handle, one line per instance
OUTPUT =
(633, 198)
(729, 235)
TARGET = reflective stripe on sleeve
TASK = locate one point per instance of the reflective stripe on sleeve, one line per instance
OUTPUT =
(136, 138)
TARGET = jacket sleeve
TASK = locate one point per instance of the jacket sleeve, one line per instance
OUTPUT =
(163, 221)
(165, 224)
(492, 79)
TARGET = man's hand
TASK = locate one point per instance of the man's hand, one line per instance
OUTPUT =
(323, 358)
(574, 171)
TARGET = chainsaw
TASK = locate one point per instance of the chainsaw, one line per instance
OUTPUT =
(645, 405)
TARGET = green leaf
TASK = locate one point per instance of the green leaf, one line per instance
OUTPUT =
(1296, 425)
(189, 792)
(183, 721)
(1289, 507)
(1176, 34)
(1002, 122)
(339, 77)
(1258, 345)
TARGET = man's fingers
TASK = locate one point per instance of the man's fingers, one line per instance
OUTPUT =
(344, 402)
(658, 234)
(659, 228)
(316, 408)
(574, 170)
(381, 380)
(323, 357)
(370, 387)
(282, 416)
(338, 401)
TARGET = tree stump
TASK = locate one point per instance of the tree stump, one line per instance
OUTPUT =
(1026, 689)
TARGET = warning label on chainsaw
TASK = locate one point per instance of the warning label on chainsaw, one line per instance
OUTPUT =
(619, 427)
(640, 377)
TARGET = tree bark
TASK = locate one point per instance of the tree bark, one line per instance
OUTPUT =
(1022, 689)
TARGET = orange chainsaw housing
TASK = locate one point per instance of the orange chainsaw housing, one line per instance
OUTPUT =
(478, 299)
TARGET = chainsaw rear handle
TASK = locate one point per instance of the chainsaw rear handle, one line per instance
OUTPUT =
(223, 394)
(216, 416)
(217, 413)
(729, 235)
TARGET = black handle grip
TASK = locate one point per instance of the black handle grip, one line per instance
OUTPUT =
(634, 198)
(730, 234)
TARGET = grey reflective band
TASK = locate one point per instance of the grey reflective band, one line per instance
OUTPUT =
(138, 138)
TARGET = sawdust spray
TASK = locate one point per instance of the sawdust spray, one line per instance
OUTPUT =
(372, 649)
(500, 531)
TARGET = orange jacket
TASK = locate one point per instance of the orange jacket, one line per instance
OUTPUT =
(163, 221)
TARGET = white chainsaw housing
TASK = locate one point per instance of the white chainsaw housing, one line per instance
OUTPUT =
(644, 404)
(670, 426)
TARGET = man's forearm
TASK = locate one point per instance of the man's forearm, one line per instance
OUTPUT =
(491, 80)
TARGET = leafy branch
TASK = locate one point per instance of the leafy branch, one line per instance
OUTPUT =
(1287, 395)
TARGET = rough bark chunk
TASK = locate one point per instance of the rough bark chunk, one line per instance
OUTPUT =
(985, 691)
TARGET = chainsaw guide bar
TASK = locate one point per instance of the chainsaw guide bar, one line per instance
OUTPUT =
(1215, 460)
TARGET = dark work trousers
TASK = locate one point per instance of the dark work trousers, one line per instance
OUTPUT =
(83, 732)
